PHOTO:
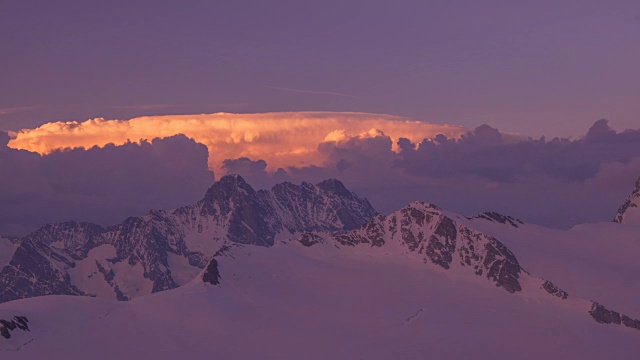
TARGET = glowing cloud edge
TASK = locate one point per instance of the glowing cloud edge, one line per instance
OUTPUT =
(282, 139)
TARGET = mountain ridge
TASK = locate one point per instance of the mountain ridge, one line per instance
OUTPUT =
(137, 256)
(274, 261)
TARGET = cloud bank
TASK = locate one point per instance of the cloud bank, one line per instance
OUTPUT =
(281, 139)
(556, 182)
(391, 160)
(102, 185)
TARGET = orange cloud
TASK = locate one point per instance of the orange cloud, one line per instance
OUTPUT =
(281, 139)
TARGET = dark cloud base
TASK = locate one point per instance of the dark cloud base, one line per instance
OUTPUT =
(101, 185)
(557, 182)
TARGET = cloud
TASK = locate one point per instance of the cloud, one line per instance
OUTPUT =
(13, 110)
(170, 106)
(311, 91)
(281, 139)
(103, 185)
(391, 160)
(557, 182)
(483, 153)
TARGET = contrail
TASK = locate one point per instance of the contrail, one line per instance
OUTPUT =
(312, 91)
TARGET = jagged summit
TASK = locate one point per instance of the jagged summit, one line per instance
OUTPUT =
(335, 186)
(232, 183)
(166, 249)
(423, 230)
(629, 211)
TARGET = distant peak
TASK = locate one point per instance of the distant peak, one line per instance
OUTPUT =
(233, 181)
(226, 187)
(423, 205)
(335, 186)
(232, 178)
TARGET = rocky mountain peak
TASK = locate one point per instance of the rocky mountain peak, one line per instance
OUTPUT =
(336, 187)
(230, 185)
(629, 211)
(137, 256)
(423, 230)
(229, 189)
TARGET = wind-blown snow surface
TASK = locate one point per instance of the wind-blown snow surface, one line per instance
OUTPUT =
(317, 303)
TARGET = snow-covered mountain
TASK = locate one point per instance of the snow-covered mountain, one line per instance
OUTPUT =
(421, 282)
(629, 211)
(315, 298)
(163, 250)
(441, 240)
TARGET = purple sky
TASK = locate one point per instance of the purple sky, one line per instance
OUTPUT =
(539, 67)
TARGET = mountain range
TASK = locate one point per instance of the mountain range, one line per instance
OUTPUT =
(270, 273)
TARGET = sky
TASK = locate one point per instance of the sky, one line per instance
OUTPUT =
(474, 106)
(538, 68)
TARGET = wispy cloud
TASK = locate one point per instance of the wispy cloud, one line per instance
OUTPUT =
(311, 91)
(172, 106)
(143, 106)
(13, 110)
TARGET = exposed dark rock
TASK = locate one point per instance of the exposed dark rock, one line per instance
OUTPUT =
(120, 296)
(309, 239)
(600, 313)
(336, 187)
(21, 322)
(499, 218)
(223, 250)
(109, 277)
(502, 266)
(211, 275)
(8, 326)
(35, 270)
(629, 322)
(423, 229)
(370, 233)
(442, 244)
(605, 316)
(552, 289)
(632, 202)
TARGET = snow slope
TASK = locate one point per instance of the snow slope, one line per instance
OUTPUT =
(316, 303)
(595, 261)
